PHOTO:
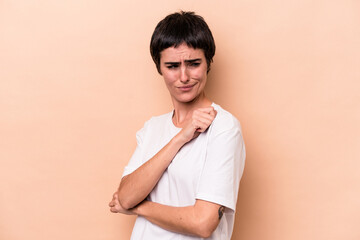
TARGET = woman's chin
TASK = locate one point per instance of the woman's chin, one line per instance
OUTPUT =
(186, 99)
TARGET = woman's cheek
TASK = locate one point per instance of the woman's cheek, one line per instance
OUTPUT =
(200, 74)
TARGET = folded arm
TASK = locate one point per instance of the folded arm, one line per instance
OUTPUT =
(199, 220)
(135, 187)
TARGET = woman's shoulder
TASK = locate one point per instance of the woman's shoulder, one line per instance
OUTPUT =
(224, 120)
(153, 125)
(158, 120)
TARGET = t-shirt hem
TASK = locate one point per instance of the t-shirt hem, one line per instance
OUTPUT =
(128, 171)
(217, 200)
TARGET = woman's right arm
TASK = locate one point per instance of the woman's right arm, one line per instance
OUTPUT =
(135, 187)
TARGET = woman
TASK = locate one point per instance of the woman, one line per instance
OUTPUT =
(183, 178)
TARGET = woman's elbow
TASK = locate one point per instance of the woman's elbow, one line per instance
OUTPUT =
(124, 201)
(124, 196)
(204, 234)
(205, 229)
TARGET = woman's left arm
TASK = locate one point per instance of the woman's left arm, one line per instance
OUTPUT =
(199, 220)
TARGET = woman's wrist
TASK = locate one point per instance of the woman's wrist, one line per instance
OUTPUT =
(139, 209)
(179, 140)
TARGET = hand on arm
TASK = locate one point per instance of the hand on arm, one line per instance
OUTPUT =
(135, 187)
(115, 206)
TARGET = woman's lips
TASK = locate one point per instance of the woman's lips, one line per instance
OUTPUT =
(187, 87)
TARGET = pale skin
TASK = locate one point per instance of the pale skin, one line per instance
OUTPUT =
(184, 70)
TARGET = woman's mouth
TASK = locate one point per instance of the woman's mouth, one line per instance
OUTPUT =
(188, 87)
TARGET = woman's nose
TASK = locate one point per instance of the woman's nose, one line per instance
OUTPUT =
(184, 77)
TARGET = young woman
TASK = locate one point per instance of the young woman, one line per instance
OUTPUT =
(183, 178)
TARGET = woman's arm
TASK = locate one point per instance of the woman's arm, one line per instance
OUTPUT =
(135, 187)
(198, 220)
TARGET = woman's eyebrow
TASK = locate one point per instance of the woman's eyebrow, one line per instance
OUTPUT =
(187, 61)
(193, 60)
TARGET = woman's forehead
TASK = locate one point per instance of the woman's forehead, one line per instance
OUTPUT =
(181, 52)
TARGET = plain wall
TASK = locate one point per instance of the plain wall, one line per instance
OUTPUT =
(77, 82)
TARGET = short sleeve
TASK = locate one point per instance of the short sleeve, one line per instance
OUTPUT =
(223, 168)
(136, 159)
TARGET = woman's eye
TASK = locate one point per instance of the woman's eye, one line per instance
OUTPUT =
(172, 66)
(195, 64)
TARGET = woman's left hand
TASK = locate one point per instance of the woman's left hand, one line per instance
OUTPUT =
(115, 206)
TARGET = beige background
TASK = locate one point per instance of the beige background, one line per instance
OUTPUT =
(77, 82)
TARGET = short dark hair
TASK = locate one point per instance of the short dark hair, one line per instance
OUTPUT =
(178, 28)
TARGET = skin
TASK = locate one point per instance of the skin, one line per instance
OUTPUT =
(184, 70)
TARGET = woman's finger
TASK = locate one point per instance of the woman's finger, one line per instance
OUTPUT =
(203, 116)
(206, 109)
(199, 115)
(113, 210)
(201, 126)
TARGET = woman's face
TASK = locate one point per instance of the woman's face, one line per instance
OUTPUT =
(185, 72)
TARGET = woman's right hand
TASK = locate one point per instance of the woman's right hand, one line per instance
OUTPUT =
(200, 120)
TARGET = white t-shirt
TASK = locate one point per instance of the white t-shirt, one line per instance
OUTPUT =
(207, 168)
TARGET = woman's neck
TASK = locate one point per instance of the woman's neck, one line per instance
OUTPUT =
(183, 111)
